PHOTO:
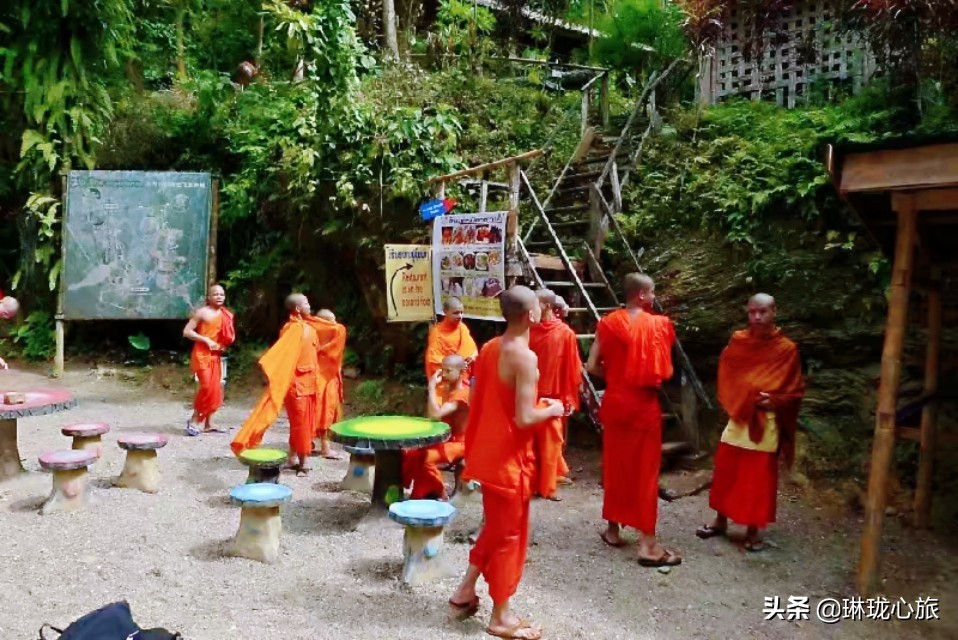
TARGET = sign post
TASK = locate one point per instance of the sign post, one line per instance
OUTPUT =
(409, 283)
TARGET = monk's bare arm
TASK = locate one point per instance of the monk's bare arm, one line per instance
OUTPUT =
(593, 365)
(436, 411)
(527, 413)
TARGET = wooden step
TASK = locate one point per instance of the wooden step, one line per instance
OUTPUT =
(582, 176)
(585, 336)
(675, 448)
(539, 243)
(570, 224)
(577, 189)
(914, 433)
(569, 209)
(563, 283)
(602, 158)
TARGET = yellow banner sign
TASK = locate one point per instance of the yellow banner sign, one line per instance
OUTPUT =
(409, 283)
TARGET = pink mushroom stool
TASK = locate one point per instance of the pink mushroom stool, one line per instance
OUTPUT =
(70, 479)
(86, 435)
(142, 468)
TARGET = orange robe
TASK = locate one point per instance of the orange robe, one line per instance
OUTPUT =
(446, 339)
(208, 365)
(560, 373)
(636, 359)
(332, 347)
(292, 372)
(421, 466)
(745, 480)
(499, 456)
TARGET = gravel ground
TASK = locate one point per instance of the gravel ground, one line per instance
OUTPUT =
(163, 552)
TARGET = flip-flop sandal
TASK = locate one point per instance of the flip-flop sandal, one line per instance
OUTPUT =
(216, 430)
(754, 547)
(462, 611)
(511, 632)
(191, 430)
(332, 456)
(621, 543)
(708, 531)
(667, 559)
(302, 473)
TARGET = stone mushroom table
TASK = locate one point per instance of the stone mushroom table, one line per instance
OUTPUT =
(36, 402)
(388, 436)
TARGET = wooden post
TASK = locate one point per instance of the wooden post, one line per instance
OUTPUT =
(59, 329)
(513, 265)
(883, 447)
(585, 109)
(483, 193)
(604, 99)
(214, 226)
(929, 414)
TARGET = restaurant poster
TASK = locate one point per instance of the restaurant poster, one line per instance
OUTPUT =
(468, 253)
(409, 283)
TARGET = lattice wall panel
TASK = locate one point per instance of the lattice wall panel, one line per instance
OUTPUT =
(810, 51)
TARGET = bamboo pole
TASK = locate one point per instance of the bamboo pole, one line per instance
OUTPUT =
(929, 414)
(528, 155)
(883, 447)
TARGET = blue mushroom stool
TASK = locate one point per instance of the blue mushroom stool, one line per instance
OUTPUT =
(361, 471)
(260, 524)
(423, 541)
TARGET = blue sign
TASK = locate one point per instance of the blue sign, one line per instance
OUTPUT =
(432, 209)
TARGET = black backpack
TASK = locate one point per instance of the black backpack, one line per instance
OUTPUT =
(112, 622)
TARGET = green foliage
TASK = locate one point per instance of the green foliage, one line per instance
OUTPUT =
(640, 36)
(734, 166)
(35, 337)
(140, 342)
(371, 396)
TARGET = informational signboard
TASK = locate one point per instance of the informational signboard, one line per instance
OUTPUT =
(409, 283)
(468, 254)
(135, 244)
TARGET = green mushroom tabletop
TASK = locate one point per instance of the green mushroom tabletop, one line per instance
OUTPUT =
(388, 436)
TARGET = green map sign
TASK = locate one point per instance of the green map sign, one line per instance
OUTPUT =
(135, 244)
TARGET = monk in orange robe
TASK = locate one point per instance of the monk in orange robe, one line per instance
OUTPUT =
(633, 352)
(291, 368)
(760, 386)
(562, 312)
(332, 348)
(449, 337)
(560, 372)
(211, 329)
(499, 456)
(448, 401)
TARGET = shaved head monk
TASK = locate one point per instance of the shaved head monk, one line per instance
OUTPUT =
(291, 368)
(633, 352)
(448, 401)
(211, 329)
(329, 392)
(760, 386)
(560, 373)
(499, 456)
(448, 337)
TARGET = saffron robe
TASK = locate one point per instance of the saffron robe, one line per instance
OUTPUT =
(208, 365)
(421, 466)
(636, 358)
(290, 373)
(499, 456)
(332, 348)
(446, 339)
(745, 480)
(560, 374)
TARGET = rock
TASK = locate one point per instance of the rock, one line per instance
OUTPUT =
(351, 373)
(14, 397)
(665, 570)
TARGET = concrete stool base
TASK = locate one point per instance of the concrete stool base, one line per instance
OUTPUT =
(258, 535)
(423, 560)
(264, 464)
(70, 480)
(140, 471)
(361, 473)
(260, 524)
(87, 435)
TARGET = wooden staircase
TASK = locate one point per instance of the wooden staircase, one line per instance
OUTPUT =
(562, 251)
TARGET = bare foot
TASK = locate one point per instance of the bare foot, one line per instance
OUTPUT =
(611, 536)
(511, 626)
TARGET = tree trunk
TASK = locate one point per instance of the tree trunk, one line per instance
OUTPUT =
(389, 28)
(180, 45)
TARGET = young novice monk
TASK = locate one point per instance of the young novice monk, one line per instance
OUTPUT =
(332, 348)
(448, 401)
